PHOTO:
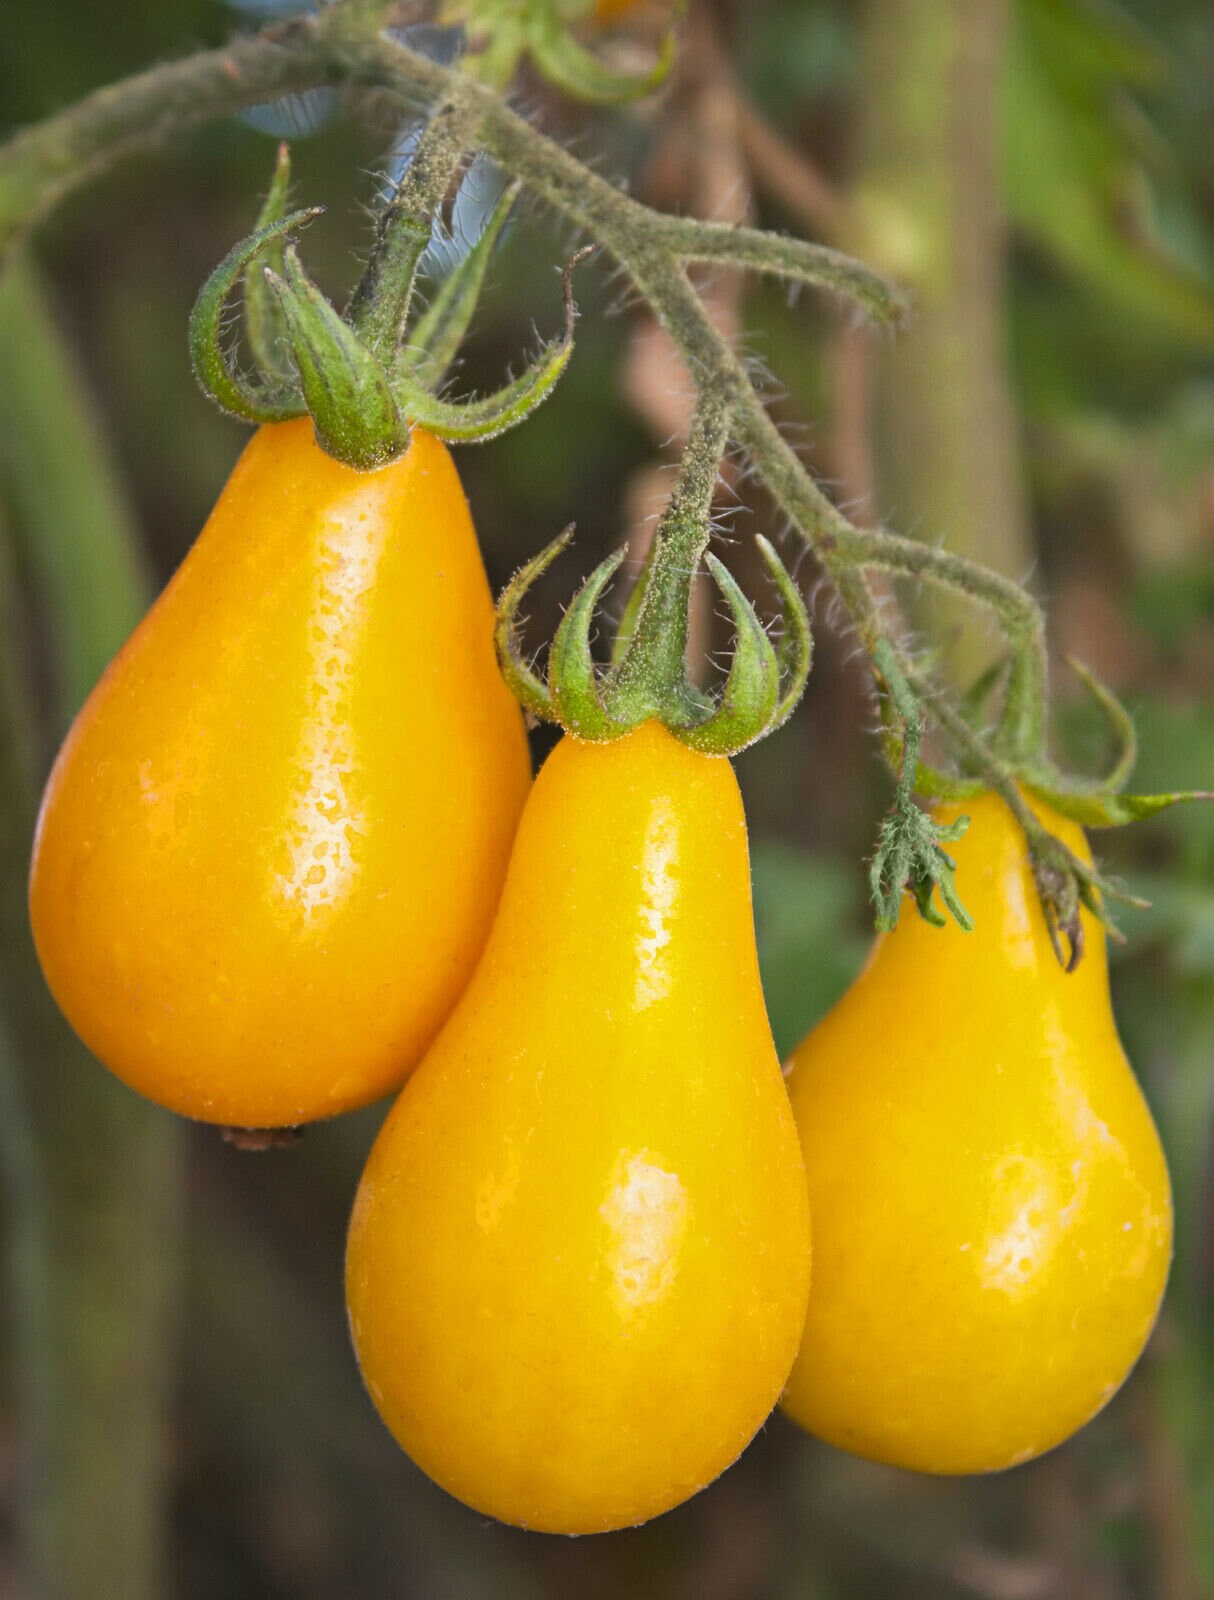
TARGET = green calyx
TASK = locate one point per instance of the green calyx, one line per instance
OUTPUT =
(366, 377)
(910, 856)
(648, 681)
(502, 32)
(1101, 802)
(345, 387)
(647, 678)
(1098, 802)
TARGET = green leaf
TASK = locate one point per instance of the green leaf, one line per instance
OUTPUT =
(1072, 156)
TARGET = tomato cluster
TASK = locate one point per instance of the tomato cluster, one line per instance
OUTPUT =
(277, 873)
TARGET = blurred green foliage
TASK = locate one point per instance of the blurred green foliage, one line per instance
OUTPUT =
(808, 920)
(282, 1482)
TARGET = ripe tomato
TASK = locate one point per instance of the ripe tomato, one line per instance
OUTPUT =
(992, 1215)
(271, 847)
(579, 1257)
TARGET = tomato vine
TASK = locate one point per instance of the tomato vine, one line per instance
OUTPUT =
(349, 43)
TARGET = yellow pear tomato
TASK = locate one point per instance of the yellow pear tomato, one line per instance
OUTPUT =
(270, 850)
(579, 1256)
(992, 1214)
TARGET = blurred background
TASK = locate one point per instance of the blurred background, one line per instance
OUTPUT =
(182, 1417)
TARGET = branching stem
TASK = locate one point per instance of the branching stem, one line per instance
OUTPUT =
(344, 44)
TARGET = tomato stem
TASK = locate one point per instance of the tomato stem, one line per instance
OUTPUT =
(345, 42)
(648, 678)
(651, 676)
(379, 308)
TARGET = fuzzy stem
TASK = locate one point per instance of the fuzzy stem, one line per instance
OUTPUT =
(653, 668)
(342, 44)
(43, 164)
(379, 310)
(690, 239)
(1018, 615)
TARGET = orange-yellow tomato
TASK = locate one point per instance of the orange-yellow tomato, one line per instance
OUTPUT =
(579, 1257)
(992, 1215)
(271, 847)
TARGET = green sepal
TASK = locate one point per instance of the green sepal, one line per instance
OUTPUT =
(751, 693)
(463, 421)
(1120, 722)
(796, 651)
(761, 688)
(974, 700)
(1100, 803)
(346, 388)
(436, 336)
(528, 688)
(933, 784)
(572, 675)
(579, 73)
(254, 401)
(632, 608)
(942, 878)
(1065, 884)
(265, 326)
(1110, 810)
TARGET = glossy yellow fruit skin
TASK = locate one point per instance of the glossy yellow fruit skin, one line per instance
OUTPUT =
(579, 1257)
(271, 847)
(992, 1213)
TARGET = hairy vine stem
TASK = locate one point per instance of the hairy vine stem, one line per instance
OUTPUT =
(345, 44)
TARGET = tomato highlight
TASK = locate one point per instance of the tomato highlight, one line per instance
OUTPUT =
(579, 1256)
(271, 847)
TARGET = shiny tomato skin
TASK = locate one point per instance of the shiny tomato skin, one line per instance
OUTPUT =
(992, 1210)
(271, 846)
(579, 1257)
